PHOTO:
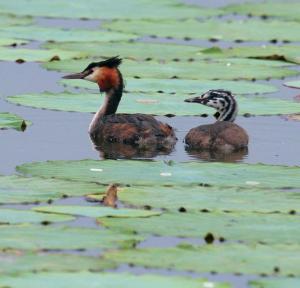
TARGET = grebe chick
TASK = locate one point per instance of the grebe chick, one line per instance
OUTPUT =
(223, 135)
(131, 129)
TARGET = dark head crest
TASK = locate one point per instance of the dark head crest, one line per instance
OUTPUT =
(113, 62)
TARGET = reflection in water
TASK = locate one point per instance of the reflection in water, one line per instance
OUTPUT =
(212, 155)
(124, 151)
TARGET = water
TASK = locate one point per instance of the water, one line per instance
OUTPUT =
(58, 135)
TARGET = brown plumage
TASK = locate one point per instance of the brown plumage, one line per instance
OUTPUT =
(140, 130)
(223, 135)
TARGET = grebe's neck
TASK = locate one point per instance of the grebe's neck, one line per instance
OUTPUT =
(109, 106)
(228, 111)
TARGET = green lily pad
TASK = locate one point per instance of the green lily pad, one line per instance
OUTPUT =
(284, 9)
(14, 262)
(8, 20)
(58, 34)
(210, 198)
(93, 211)
(131, 50)
(13, 216)
(15, 189)
(293, 84)
(58, 237)
(8, 120)
(245, 227)
(105, 280)
(153, 103)
(244, 30)
(180, 86)
(10, 54)
(282, 53)
(95, 9)
(157, 173)
(11, 41)
(202, 70)
(275, 283)
(229, 258)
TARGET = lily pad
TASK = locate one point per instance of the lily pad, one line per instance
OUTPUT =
(8, 20)
(95, 9)
(275, 283)
(293, 84)
(93, 211)
(11, 41)
(9, 54)
(245, 227)
(58, 34)
(229, 258)
(151, 103)
(157, 173)
(130, 50)
(202, 70)
(210, 198)
(105, 280)
(19, 262)
(180, 86)
(243, 30)
(8, 120)
(282, 53)
(15, 189)
(58, 237)
(13, 216)
(283, 9)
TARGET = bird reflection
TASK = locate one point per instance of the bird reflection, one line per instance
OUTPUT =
(212, 155)
(123, 151)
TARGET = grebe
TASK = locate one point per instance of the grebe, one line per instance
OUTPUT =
(131, 129)
(223, 135)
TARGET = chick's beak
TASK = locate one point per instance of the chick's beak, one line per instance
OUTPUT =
(79, 75)
(194, 100)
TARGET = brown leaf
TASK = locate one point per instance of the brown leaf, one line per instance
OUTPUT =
(111, 196)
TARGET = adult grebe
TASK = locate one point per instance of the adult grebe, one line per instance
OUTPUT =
(223, 135)
(132, 129)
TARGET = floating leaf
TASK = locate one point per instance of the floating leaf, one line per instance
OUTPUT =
(11, 41)
(13, 216)
(8, 20)
(95, 9)
(210, 198)
(15, 189)
(187, 173)
(58, 237)
(243, 30)
(275, 283)
(245, 227)
(8, 120)
(131, 50)
(19, 262)
(93, 211)
(151, 103)
(10, 54)
(105, 280)
(58, 34)
(282, 53)
(195, 70)
(181, 86)
(229, 258)
(283, 9)
(293, 84)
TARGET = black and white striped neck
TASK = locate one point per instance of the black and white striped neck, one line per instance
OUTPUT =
(228, 108)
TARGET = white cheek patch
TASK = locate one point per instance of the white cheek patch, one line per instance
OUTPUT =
(92, 77)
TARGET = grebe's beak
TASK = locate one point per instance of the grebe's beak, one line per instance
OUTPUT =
(194, 100)
(79, 75)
